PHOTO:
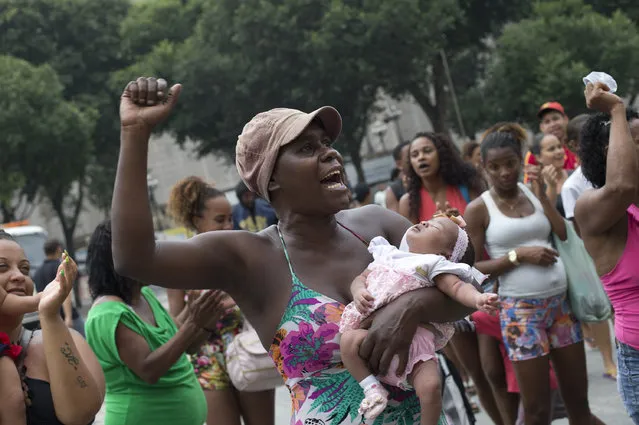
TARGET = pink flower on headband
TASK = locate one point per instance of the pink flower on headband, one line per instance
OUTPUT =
(459, 220)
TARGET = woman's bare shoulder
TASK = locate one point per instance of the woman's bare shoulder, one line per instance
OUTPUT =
(373, 220)
(476, 205)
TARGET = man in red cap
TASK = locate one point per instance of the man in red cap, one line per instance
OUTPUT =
(553, 120)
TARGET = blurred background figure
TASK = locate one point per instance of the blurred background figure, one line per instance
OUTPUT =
(251, 213)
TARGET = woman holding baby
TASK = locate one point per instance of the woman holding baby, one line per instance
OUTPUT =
(279, 277)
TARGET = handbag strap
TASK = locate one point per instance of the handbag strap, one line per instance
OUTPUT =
(25, 340)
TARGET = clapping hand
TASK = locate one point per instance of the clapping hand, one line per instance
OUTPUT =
(537, 182)
(207, 309)
(551, 175)
(59, 289)
(446, 210)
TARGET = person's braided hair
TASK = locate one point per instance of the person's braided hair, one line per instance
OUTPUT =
(103, 279)
(453, 169)
(187, 200)
(593, 143)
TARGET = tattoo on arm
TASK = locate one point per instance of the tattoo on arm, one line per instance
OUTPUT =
(81, 382)
(67, 352)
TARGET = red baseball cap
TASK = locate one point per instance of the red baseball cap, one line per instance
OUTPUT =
(551, 106)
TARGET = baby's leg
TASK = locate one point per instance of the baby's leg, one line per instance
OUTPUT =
(425, 379)
(375, 396)
(12, 407)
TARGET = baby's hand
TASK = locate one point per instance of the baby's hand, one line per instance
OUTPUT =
(363, 301)
(488, 303)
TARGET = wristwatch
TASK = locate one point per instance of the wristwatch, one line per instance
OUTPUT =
(512, 257)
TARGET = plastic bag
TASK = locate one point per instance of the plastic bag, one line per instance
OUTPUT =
(601, 77)
(587, 298)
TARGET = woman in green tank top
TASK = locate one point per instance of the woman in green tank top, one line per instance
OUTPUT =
(142, 353)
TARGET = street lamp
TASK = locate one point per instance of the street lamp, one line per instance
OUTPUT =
(392, 113)
(379, 128)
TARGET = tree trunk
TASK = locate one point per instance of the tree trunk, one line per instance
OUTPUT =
(356, 159)
(69, 224)
(437, 110)
(8, 213)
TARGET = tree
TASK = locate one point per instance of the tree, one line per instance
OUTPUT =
(546, 56)
(80, 41)
(45, 139)
(608, 7)
(245, 57)
(414, 47)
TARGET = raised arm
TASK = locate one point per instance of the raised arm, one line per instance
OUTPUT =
(202, 261)
(622, 169)
(76, 378)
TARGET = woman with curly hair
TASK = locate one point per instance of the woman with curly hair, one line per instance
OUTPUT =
(438, 178)
(608, 151)
(201, 208)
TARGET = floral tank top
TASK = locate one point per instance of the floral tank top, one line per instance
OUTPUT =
(307, 354)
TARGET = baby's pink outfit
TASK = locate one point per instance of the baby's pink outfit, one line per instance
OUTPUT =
(393, 273)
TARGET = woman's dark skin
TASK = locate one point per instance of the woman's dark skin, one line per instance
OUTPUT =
(251, 267)
(503, 166)
(605, 233)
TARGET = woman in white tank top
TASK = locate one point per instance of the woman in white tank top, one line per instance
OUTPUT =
(515, 225)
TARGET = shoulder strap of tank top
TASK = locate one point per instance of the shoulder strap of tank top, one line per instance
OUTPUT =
(25, 341)
(354, 234)
(288, 259)
(531, 196)
(491, 206)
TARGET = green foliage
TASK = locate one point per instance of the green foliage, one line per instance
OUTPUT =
(80, 41)
(246, 57)
(607, 7)
(45, 138)
(546, 56)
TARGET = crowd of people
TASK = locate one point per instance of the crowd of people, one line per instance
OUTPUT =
(352, 305)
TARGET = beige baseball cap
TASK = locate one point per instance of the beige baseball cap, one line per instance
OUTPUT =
(262, 137)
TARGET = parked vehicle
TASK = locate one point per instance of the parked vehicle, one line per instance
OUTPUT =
(32, 240)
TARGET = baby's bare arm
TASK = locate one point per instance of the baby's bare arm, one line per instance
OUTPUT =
(12, 305)
(462, 292)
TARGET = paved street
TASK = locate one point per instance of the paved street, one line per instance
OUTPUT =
(604, 397)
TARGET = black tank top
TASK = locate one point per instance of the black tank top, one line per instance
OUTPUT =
(398, 188)
(41, 411)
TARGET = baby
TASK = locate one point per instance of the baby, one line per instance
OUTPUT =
(12, 407)
(429, 257)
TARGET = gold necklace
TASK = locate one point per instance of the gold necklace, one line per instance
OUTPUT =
(508, 204)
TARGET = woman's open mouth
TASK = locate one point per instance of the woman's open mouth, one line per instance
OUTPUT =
(422, 166)
(333, 181)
